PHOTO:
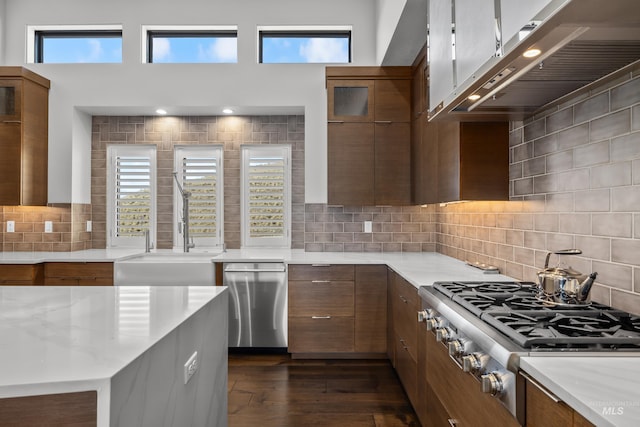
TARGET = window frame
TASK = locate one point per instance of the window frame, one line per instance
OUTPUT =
(246, 240)
(304, 32)
(200, 243)
(39, 34)
(113, 151)
(184, 31)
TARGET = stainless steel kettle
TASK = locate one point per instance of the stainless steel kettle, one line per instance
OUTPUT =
(564, 286)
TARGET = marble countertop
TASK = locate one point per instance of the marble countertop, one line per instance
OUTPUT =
(591, 385)
(602, 389)
(55, 339)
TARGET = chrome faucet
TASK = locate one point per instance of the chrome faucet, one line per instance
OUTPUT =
(147, 241)
(186, 245)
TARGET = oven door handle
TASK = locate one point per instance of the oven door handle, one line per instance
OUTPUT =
(540, 387)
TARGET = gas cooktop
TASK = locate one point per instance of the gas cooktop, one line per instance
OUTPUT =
(513, 309)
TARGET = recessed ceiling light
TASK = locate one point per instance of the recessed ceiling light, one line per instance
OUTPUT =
(227, 111)
(161, 111)
(474, 97)
(531, 53)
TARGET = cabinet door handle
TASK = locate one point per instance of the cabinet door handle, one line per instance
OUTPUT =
(382, 122)
(452, 422)
(540, 387)
(321, 317)
(336, 121)
(320, 265)
(12, 121)
(321, 281)
(404, 300)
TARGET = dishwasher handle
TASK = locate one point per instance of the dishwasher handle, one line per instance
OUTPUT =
(255, 268)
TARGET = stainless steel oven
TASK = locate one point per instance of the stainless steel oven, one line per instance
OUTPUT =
(487, 326)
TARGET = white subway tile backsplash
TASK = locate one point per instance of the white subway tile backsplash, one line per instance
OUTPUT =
(626, 147)
(612, 224)
(611, 125)
(591, 108)
(591, 154)
(625, 199)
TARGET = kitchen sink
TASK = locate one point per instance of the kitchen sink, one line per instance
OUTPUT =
(166, 269)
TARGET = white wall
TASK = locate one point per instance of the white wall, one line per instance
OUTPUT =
(133, 84)
(388, 13)
(2, 23)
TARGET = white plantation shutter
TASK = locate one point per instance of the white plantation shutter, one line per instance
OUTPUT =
(200, 172)
(266, 196)
(131, 189)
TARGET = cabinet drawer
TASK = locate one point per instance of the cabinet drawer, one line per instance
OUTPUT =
(21, 274)
(322, 334)
(407, 369)
(321, 272)
(321, 298)
(74, 273)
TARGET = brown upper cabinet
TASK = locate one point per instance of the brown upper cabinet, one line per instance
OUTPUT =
(450, 160)
(473, 161)
(369, 135)
(24, 112)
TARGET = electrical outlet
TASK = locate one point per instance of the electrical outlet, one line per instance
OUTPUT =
(190, 367)
(11, 226)
(48, 227)
(368, 226)
(89, 225)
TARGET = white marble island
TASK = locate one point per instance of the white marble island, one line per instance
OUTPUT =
(127, 344)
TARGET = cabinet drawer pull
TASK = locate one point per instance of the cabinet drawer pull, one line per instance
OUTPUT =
(335, 121)
(540, 387)
(13, 121)
(321, 317)
(320, 265)
(382, 122)
(321, 281)
(453, 422)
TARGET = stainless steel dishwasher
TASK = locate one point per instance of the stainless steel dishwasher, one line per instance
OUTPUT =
(257, 304)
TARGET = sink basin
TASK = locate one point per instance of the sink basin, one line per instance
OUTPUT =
(168, 269)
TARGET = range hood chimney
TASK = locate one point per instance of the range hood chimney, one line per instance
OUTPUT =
(582, 44)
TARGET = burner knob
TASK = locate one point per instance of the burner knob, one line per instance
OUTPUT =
(492, 383)
(425, 315)
(473, 362)
(443, 334)
(458, 347)
(433, 323)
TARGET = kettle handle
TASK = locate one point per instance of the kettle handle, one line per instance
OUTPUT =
(561, 252)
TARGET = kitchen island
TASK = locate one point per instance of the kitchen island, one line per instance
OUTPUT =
(122, 348)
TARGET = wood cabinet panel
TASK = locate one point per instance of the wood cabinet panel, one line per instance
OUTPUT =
(321, 298)
(391, 343)
(542, 410)
(350, 168)
(460, 392)
(52, 410)
(371, 309)
(321, 272)
(473, 161)
(21, 274)
(407, 368)
(392, 100)
(424, 161)
(392, 177)
(78, 273)
(321, 335)
(436, 413)
(23, 137)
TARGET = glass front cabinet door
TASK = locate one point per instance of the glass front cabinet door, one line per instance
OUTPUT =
(10, 100)
(350, 100)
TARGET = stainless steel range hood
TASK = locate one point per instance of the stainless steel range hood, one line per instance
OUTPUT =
(583, 43)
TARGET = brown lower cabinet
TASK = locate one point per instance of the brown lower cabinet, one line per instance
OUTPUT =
(21, 274)
(337, 310)
(78, 274)
(544, 409)
(53, 410)
(459, 393)
(405, 303)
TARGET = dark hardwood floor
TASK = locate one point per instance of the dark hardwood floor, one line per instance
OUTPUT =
(276, 391)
